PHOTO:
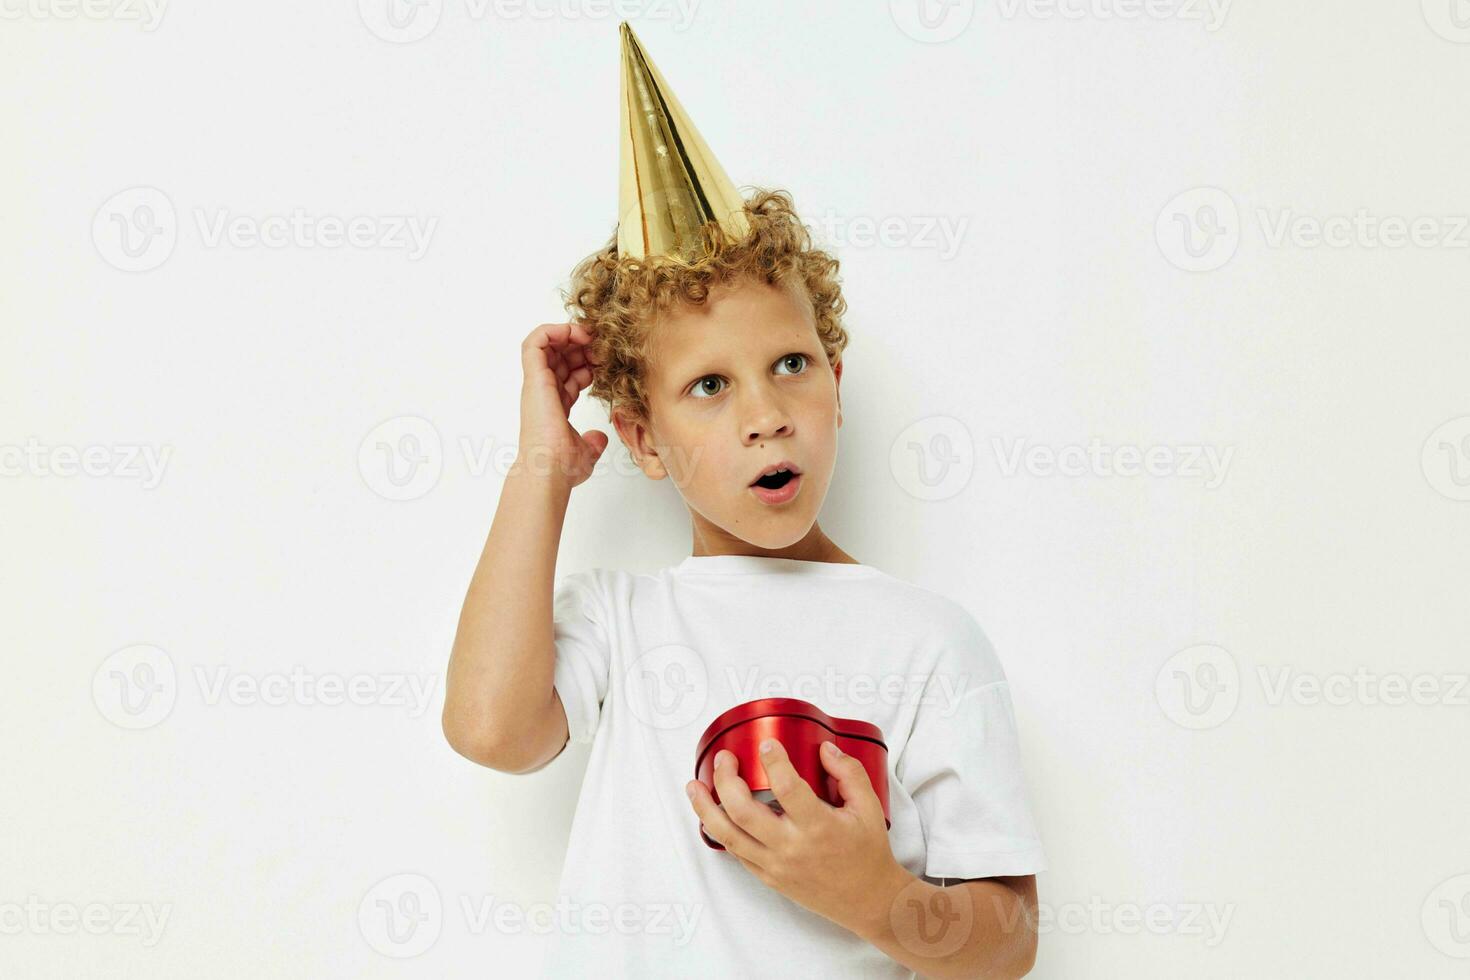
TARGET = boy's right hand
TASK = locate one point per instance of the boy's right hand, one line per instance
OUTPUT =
(557, 366)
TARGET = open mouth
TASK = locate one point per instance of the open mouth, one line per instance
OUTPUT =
(776, 480)
(779, 484)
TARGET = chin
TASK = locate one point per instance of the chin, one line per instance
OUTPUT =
(775, 531)
(773, 542)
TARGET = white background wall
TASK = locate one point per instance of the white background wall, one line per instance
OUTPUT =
(1328, 381)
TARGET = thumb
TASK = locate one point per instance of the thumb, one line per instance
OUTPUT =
(596, 441)
(852, 781)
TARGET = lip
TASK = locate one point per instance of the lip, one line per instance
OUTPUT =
(781, 464)
(781, 496)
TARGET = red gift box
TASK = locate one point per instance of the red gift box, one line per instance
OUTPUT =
(801, 727)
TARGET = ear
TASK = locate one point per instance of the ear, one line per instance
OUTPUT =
(637, 435)
(837, 374)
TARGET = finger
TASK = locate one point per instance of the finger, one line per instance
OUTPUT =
(571, 388)
(544, 348)
(536, 354)
(852, 780)
(575, 381)
(597, 441)
(756, 870)
(753, 816)
(575, 356)
(568, 339)
(793, 792)
(584, 336)
(564, 334)
(579, 332)
(721, 829)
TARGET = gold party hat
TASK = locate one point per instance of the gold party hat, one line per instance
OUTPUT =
(671, 183)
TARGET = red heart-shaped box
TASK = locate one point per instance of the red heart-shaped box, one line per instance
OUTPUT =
(801, 727)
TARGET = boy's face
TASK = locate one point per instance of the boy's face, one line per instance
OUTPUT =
(736, 386)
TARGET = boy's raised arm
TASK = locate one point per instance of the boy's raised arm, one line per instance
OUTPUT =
(500, 708)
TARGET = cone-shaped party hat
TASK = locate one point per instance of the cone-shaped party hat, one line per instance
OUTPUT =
(671, 183)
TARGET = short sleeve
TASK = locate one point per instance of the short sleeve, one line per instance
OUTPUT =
(583, 652)
(962, 768)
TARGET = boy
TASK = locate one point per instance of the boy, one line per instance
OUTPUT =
(712, 330)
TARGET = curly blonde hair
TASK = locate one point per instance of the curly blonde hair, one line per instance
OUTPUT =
(620, 299)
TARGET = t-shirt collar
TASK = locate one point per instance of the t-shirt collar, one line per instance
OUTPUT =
(753, 564)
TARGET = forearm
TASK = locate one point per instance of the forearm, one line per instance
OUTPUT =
(988, 931)
(501, 666)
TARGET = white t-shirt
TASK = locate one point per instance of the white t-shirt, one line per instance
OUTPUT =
(644, 662)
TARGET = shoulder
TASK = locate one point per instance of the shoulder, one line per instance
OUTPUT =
(599, 588)
(945, 615)
(954, 638)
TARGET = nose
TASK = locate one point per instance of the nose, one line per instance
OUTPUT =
(765, 419)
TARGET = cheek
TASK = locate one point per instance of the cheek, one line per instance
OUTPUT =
(708, 465)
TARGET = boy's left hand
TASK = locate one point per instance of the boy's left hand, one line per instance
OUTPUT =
(834, 861)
